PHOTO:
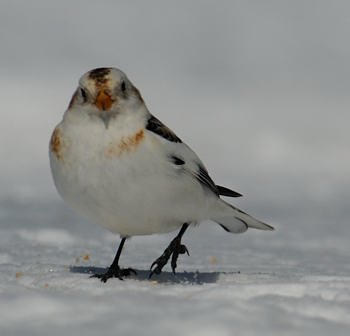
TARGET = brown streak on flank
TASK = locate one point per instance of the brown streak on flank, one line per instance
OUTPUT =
(126, 144)
(56, 143)
(131, 142)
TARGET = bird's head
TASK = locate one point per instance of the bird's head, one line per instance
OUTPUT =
(105, 93)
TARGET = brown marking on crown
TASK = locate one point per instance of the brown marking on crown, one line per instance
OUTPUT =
(99, 75)
(56, 143)
(126, 144)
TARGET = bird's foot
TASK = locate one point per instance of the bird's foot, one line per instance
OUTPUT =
(114, 272)
(174, 249)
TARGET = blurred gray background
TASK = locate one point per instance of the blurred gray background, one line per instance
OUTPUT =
(259, 89)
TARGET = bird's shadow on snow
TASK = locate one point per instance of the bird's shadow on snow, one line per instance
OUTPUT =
(195, 278)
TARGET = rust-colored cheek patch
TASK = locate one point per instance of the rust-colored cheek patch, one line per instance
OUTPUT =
(126, 144)
(56, 144)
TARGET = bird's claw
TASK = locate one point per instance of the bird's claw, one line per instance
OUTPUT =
(119, 273)
(174, 249)
(182, 249)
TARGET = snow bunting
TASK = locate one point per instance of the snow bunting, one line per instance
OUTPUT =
(119, 166)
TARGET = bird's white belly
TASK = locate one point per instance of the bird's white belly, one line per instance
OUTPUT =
(134, 193)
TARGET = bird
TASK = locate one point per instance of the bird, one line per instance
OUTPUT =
(119, 166)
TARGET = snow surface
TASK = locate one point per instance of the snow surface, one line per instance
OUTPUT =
(253, 284)
(260, 90)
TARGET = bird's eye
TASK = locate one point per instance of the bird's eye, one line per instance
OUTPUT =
(83, 94)
(123, 86)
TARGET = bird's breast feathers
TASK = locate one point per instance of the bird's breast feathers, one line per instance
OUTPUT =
(125, 144)
(86, 140)
(103, 175)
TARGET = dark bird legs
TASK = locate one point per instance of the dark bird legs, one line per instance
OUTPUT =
(174, 249)
(114, 271)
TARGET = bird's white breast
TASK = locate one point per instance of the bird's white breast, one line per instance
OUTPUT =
(121, 179)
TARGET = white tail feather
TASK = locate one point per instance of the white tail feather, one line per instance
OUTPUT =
(236, 221)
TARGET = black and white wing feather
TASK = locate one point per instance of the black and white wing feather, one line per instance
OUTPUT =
(156, 126)
(192, 164)
(185, 160)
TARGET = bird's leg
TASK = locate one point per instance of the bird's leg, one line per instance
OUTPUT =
(114, 271)
(174, 249)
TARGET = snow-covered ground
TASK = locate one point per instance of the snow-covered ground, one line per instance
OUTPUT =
(253, 284)
(260, 90)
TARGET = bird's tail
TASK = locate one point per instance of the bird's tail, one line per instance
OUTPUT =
(235, 220)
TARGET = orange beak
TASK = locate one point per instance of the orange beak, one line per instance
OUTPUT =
(103, 101)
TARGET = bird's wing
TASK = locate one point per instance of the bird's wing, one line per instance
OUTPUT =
(156, 126)
(183, 156)
(223, 191)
